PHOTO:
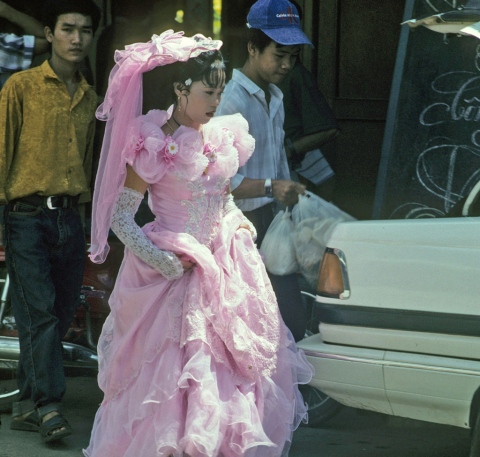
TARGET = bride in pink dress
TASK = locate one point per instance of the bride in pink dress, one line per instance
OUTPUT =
(195, 359)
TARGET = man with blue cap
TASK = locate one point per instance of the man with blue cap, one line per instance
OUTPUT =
(274, 39)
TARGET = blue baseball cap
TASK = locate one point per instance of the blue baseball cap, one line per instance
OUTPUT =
(279, 20)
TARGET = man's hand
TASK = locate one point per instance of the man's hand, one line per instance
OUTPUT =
(286, 192)
(29, 24)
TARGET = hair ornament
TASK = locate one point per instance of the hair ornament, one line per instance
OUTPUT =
(188, 81)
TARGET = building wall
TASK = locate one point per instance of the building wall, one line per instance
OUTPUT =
(356, 51)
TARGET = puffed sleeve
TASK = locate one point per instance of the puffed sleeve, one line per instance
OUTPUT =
(144, 150)
(152, 154)
(242, 140)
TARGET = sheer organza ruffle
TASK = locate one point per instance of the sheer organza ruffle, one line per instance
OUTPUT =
(182, 401)
(202, 365)
(226, 302)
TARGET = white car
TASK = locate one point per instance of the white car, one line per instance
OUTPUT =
(399, 310)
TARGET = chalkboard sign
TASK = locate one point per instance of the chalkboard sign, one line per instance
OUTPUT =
(431, 148)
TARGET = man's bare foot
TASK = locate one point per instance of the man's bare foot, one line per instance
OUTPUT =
(26, 422)
(23, 416)
(49, 416)
(53, 427)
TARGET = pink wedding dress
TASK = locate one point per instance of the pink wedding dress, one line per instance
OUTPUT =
(203, 365)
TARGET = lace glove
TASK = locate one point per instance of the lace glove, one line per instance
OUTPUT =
(229, 205)
(132, 236)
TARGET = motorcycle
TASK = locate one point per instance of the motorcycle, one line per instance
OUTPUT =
(80, 343)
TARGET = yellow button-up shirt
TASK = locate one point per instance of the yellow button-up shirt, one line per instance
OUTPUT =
(46, 137)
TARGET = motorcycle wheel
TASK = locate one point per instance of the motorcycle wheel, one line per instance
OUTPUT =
(8, 385)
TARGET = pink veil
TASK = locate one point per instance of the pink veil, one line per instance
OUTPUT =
(122, 104)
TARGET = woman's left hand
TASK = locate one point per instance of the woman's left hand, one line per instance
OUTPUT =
(244, 225)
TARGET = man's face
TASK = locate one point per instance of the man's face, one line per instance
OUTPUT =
(72, 37)
(274, 63)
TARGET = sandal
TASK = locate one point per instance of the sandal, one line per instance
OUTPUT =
(56, 422)
(29, 424)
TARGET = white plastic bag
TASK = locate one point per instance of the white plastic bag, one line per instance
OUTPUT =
(277, 246)
(314, 219)
(311, 205)
(306, 246)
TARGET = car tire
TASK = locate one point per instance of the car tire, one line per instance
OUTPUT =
(475, 444)
(321, 407)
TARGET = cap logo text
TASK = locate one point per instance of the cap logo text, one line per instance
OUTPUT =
(289, 15)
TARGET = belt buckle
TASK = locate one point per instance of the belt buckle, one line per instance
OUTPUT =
(49, 203)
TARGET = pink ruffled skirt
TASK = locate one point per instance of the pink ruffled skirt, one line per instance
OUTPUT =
(187, 366)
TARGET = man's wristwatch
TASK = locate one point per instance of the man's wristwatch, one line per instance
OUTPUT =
(268, 188)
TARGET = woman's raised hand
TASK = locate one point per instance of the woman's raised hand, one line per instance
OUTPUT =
(244, 225)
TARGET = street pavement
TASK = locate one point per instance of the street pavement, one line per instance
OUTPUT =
(352, 433)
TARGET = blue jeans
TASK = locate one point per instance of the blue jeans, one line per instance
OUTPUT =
(45, 256)
(286, 288)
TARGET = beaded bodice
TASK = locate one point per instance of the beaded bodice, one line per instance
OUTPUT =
(191, 207)
(189, 171)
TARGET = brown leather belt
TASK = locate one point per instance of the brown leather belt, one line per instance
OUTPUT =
(52, 202)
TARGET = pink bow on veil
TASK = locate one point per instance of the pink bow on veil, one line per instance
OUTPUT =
(171, 47)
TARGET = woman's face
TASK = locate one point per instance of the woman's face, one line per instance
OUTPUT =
(199, 106)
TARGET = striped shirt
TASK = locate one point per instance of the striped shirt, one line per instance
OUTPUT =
(16, 53)
(265, 122)
(315, 167)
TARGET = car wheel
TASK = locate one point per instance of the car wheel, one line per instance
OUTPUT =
(321, 407)
(475, 444)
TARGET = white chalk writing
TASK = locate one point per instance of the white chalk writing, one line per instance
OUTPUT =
(464, 106)
(455, 100)
(439, 5)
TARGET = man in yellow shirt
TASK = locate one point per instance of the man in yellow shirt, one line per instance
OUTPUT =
(46, 138)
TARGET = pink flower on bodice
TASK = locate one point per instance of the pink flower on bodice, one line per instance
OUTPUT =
(229, 135)
(210, 152)
(170, 151)
(138, 143)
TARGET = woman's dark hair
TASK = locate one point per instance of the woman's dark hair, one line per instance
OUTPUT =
(54, 8)
(158, 89)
